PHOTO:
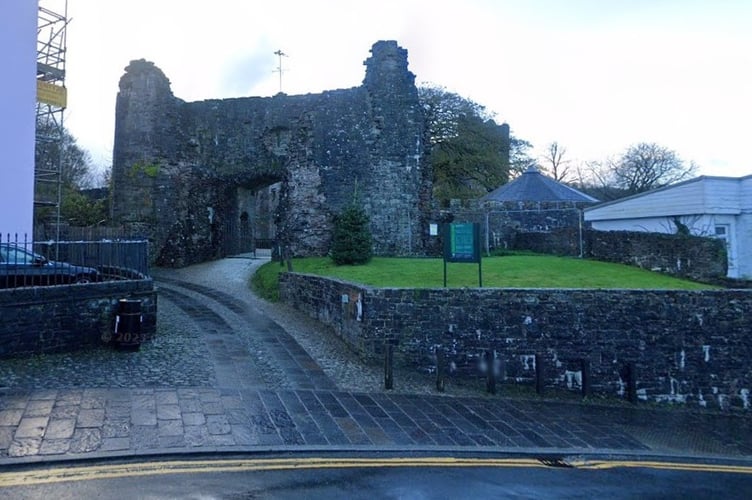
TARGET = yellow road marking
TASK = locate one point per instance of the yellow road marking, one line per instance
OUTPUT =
(697, 467)
(85, 473)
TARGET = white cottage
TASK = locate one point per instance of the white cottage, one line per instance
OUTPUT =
(720, 207)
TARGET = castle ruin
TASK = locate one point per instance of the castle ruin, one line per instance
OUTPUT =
(199, 177)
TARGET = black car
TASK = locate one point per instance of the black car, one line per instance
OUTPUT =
(20, 267)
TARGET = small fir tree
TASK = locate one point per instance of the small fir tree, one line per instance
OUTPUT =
(351, 241)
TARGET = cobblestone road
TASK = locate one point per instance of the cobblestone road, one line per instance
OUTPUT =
(229, 372)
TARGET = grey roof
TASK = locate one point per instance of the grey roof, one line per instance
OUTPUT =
(534, 186)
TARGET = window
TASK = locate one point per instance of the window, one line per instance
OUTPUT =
(722, 233)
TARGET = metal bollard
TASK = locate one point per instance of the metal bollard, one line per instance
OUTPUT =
(128, 325)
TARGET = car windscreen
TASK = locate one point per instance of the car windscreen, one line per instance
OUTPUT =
(12, 255)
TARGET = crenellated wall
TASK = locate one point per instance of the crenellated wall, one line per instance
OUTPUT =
(688, 346)
(181, 168)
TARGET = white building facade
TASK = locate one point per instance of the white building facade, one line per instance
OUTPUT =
(719, 207)
(18, 64)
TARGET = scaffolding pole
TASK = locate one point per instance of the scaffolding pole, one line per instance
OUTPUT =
(51, 103)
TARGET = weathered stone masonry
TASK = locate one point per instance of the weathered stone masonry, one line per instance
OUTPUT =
(63, 318)
(688, 346)
(181, 170)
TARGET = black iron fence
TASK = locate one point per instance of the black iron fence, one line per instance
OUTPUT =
(25, 262)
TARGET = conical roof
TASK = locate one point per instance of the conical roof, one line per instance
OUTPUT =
(534, 186)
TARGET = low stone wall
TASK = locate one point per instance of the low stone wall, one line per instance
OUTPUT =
(687, 346)
(693, 257)
(68, 317)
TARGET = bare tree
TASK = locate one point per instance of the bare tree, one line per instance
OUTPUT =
(647, 166)
(593, 178)
(553, 162)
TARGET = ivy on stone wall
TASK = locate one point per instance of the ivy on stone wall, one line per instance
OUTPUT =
(148, 169)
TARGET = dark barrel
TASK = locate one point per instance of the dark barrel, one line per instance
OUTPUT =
(128, 324)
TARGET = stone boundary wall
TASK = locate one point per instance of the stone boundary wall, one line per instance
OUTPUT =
(68, 317)
(688, 346)
(693, 257)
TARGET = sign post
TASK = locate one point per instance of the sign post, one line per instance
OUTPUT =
(462, 244)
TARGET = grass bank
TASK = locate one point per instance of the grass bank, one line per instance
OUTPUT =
(510, 271)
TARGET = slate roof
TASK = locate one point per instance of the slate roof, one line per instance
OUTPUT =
(534, 186)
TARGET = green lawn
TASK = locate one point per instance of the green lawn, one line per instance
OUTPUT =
(512, 271)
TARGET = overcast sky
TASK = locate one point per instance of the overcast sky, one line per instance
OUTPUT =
(594, 75)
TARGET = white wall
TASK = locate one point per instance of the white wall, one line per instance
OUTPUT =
(18, 47)
(744, 230)
(700, 225)
(744, 245)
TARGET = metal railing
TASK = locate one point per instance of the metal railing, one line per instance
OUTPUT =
(25, 263)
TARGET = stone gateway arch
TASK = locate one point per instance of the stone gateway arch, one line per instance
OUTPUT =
(199, 177)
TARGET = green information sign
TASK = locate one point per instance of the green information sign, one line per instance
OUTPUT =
(462, 244)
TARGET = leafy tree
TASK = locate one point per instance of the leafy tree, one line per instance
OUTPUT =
(352, 242)
(443, 109)
(647, 166)
(471, 163)
(519, 157)
(471, 154)
(56, 149)
(82, 210)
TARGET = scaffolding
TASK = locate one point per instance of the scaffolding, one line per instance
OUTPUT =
(51, 104)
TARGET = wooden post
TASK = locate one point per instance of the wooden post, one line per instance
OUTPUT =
(539, 374)
(389, 365)
(490, 375)
(440, 369)
(585, 370)
(631, 382)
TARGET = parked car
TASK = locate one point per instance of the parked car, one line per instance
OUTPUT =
(20, 267)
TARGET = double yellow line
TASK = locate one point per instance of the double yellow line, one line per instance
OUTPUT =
(94, 472)
(682, 466)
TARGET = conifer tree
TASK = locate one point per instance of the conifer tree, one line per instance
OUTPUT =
(352, 241)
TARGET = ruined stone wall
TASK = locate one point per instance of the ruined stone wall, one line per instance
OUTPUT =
(688, 346)
(177, 166)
